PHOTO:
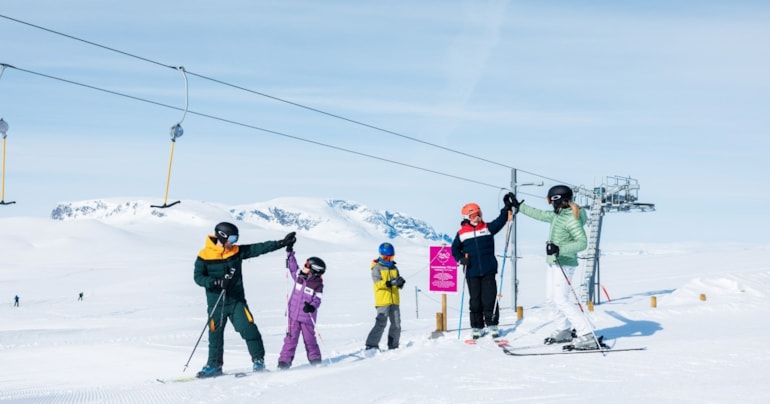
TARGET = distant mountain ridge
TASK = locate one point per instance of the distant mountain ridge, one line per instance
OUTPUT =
(332, 218)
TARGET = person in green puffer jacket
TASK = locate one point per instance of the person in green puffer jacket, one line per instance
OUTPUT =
(566, 239)
(218, 271)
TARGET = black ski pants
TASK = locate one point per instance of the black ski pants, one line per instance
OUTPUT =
(483, 293)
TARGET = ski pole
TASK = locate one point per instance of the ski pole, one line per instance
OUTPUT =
(462, 300)
(228, 276)
(502, 270)
(211, 315)
(585, 315)
(318, 334)
(286, 277)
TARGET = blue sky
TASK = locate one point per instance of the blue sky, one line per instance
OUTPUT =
(673, 94)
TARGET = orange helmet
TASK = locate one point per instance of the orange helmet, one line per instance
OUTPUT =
(470, 211)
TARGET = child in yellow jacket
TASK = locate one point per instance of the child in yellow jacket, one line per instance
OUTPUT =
(387, 283)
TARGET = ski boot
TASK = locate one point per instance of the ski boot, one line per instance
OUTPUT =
(494, 332)
(283, 365)
(371, 350)
(259, 365)
(476, 333)
(209, 371)
(586, 342)
(560, 336)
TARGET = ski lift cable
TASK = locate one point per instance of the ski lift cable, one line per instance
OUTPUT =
(353, 121)
(296, 104)
(233, 122)
(86, 41)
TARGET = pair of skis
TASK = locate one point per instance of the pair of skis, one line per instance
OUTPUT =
(510, 350)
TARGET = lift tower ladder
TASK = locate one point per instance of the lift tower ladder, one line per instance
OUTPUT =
(617, 194)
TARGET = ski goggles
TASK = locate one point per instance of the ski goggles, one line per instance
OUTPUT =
(553, 198)
(312, 267)
(232, 239)
(473, 214)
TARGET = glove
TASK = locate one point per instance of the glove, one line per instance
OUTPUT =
(551, 249)
(399, 282)
(464, 261)
(389, 283)
(222, 283)
(288, 241)
(511, 202)
(308, 308)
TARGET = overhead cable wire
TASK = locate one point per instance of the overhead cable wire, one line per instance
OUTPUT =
(86, 41)
(230, 121)
(296, 104)
(349, 120)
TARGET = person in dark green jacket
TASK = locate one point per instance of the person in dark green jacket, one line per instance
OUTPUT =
(566, 239)
(218, 271)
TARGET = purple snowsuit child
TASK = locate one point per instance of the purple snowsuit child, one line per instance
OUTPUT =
(303, 304)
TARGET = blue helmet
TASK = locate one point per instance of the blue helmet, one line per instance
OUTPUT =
(387, 249)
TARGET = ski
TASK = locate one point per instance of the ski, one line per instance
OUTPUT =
(497, 341)
(513, 353)
(245, 374)
(359, 354)
(363, 353)
(239, 374)
(176, 380)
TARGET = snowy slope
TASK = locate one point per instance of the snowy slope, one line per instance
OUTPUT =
(142, 315)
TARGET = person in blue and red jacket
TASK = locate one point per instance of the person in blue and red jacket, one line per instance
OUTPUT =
(474, 248)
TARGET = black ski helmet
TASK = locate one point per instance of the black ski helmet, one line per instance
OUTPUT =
(561, 193)
(224, 231)
(316, 265)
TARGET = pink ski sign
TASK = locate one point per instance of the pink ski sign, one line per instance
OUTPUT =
(443, 270)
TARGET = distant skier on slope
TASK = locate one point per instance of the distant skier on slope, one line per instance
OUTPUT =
(303, 304)
(218, 270)
(567, 238)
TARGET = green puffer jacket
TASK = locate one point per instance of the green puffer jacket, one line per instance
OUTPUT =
(214, 261)
(566, 232)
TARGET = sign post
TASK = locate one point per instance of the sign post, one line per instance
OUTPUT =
(443, 279)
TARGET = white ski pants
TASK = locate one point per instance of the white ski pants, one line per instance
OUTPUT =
(561, 301)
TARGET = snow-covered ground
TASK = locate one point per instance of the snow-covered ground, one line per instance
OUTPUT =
(142, 314)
